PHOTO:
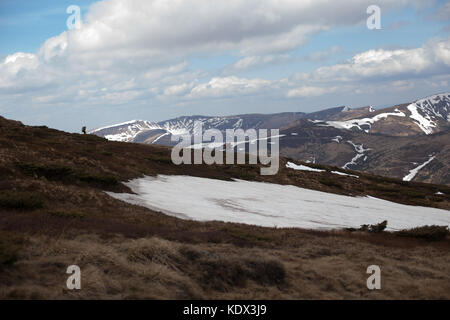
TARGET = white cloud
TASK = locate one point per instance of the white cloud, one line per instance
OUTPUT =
(257, 61)
(324, 54)
(228, 86)
(53, 47)
(139, 50)
(19, 61)
(178, 89)
(434, 56)
(309, 91)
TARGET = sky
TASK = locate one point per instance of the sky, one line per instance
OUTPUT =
(159, 59)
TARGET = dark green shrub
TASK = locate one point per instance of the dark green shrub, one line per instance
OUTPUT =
(329, 182)
(189, 253)
(384, 188)
(223, 273)
(375, 228)
(50, 171)
(413, 194)
(66, 214)
(98, 179)
(432, 233)
(8, 254)
(161, 159)
(266, 272)
(21, 200)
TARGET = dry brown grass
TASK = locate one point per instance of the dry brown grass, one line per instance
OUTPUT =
(127, 251)
(153, 268)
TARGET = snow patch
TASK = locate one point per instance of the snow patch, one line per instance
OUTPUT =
(337, 139)
(360, 152)
(294, 166)
(424, 123)
(413, 172)
(344, 174)
(163, 135)
(348, 124)
(114, 125)
(271, 205)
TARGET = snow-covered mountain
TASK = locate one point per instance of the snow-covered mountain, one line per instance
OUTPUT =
(150, 132)
(428, 115)
(430, 111)
(392, 141)
(425, 116)
(125, 131)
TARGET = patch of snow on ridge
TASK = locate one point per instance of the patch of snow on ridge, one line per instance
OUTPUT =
(348, 124)
(270, 205)
(114, 125)
(127, 133)
(344, 174)
(413, 172)
(215, 145)
(300, 167)
(337, 139)
(163, 135)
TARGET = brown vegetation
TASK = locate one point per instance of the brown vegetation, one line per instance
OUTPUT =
(54, 213)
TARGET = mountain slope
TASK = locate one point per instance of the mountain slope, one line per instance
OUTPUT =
(135, 130)
(429, 115)
(54, 212)
(391, 156)
(389, 142)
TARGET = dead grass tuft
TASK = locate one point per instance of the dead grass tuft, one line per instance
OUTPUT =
(431, 233)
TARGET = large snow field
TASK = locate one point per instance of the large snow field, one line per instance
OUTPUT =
(270, 205)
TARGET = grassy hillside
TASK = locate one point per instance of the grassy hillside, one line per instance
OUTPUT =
(54, 213)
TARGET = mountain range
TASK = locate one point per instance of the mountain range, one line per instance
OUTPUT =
(141, 227)
(408, 141)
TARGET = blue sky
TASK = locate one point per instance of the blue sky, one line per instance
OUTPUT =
(25, 24)
(160, 59)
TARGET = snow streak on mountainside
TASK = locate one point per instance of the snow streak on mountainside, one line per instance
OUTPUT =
(364, 124)
(269, 205)
(360, 152)
(412, 173)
